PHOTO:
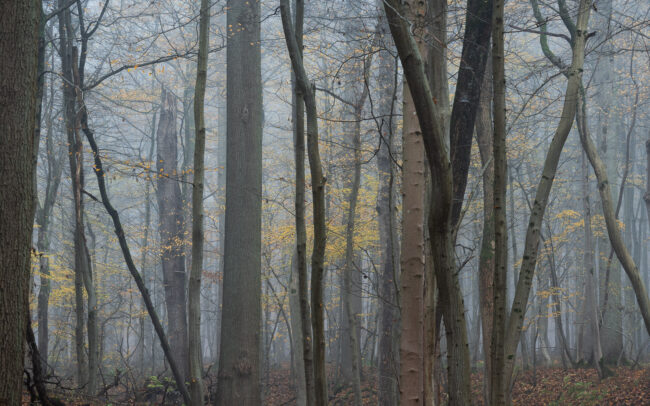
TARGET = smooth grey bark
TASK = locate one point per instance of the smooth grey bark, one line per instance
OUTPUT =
(591, 348)
(171, 229)
(194, 290)
(18, 79)
(239, 361)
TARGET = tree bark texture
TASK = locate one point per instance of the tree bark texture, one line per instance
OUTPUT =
(239, 365)
(18, 76)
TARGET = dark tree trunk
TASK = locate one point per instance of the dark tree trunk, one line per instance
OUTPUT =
(239, 363)
(18, 75)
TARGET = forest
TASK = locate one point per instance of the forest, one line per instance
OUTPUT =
(325, 202)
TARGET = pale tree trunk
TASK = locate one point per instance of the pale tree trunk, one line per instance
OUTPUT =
(389, 279)
(239, 360)
(171, 229)
(18, 78)
(613, 231)
(305, 335)
(591, 348)
(194, 290)
(350, 268)
(318, 197)
(531, 245)
(43, 215)
(144, 326)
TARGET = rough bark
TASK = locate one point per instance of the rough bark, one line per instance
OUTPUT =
(239, 363)
(194, 290)
(18, 76)
(318, 198)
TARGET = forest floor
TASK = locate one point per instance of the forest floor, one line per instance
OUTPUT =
(545, 386)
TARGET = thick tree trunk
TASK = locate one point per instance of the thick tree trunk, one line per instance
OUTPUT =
(194, 291)
(239, 362)
(171, 230)
(18, 76)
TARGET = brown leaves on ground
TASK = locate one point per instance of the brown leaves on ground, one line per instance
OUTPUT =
(576, 387)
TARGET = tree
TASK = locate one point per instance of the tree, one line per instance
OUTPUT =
(194, 291)
(239, 365)
(18, 77)
(171, 229)
(318, 195)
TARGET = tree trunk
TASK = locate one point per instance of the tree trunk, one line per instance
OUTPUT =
(318, 196)
(497, 378)
(531, 246)
(484, 137)
(350, 269)
(297, 349)
(389, 278)
(43, 216)
(301, 232)
(171, 229)
(18, 77)
(613, 231)
(194, 291)
(239, 363)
